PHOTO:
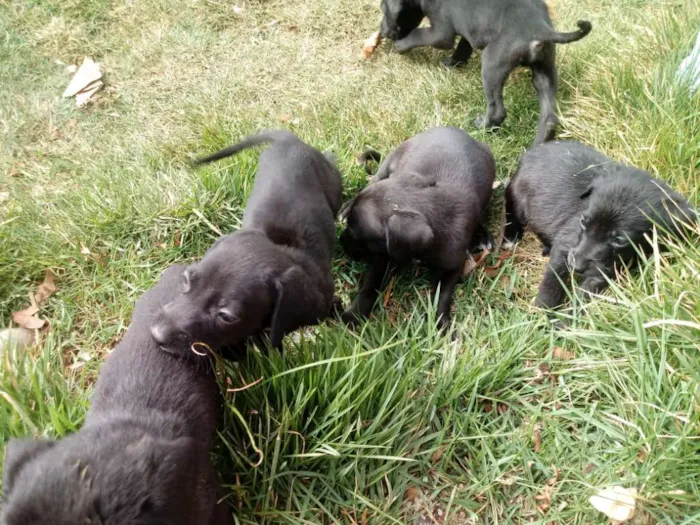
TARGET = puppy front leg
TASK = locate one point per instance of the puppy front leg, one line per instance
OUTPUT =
(439, 35)
(461, 55)
(372, 283)
(448, 282)
(552, 293)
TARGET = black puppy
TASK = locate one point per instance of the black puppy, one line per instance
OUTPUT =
(276, 271)
(142, 456)
(426, 202)
(512, 33)
(589, 211)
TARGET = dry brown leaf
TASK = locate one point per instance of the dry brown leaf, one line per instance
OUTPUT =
(544, 497)
(364, 517)
(371, 45)
(387, 294)
(413, 494)
(86, 94)
(46, 289)
(25, 318)
(437, 455)
(560, 353)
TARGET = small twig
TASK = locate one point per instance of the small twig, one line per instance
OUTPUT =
(246, 386)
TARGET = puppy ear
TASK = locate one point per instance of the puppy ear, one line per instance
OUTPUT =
(18, 453)
(587, 193)
(407, 234)
(299, 303)
(345, 209)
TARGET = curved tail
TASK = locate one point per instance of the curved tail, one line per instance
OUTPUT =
(584, 27)
(367, 157)
(255, 140)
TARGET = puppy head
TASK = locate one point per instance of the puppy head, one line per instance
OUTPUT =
(400, 18)
(619, 210)
(242, 285)
(377, 227)
(102, 480)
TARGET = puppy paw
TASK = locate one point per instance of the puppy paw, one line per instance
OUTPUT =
(483, 122)
(349, 318)
(451, 63)
(401, 46)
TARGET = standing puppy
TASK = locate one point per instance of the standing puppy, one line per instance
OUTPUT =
(426, 202)
(589, 211)
(512, 33)
(275, 272)
(142, 456)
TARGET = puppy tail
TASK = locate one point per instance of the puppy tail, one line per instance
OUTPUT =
(369, 156)
(255, 140)
(584, 27)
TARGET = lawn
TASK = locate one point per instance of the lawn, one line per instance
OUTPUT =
(515, 422)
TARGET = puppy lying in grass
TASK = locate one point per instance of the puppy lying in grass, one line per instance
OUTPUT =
(273, 273)
(511, 33)
(142, 456)
(425, 202)
(591, 213)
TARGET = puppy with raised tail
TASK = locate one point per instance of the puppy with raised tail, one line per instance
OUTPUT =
(592, 214)
(425, 202)
(275, 272)
(511, 33)
(142, 455)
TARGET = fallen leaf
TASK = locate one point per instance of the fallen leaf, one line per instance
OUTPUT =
(25, 318)
(84, 96)
(387, 294)
(46, 289)
(437, 455)
(88, 73)
(617, 503)
(84, 249)
(364, 517)
(469, 265)
(371, 44)
(294, 28)
(560, 353)
(538, 437)
(413, 494)
(19, 337)
(545, 496)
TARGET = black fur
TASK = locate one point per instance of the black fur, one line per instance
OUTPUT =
(511, 33)
(589, 212)
(426, 202)
(273, 273)
(142, 456)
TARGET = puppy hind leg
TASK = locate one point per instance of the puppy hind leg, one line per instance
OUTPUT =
(461, 54)
(495, 69)
(544, 78)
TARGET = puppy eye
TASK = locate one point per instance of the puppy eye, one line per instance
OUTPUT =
(226, 316)
(619, 242)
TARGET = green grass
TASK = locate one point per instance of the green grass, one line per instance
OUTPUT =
(348, 422)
